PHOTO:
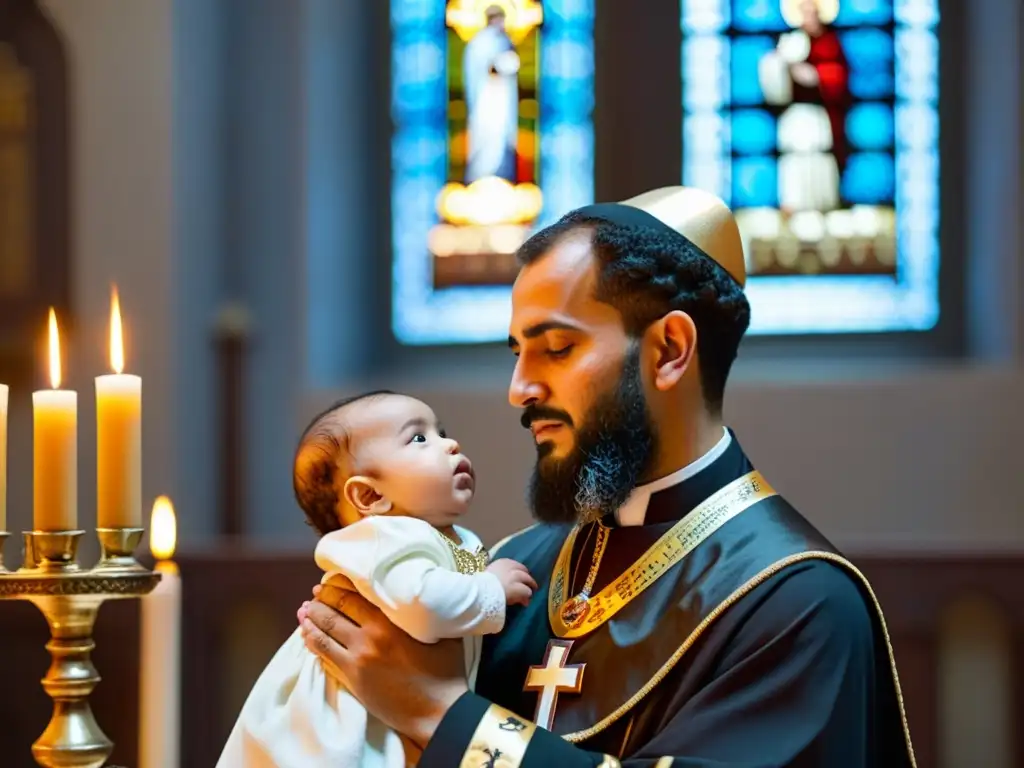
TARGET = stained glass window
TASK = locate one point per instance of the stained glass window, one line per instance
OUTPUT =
(817, 121)
(493, 139)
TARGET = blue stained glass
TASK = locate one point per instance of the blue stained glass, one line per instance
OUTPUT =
(892, 133)
(870, 126)
(869, 52)
(869, 178)
(754, 182)
(564, 64)
(417, 76)
(708, 17)
(746, 52)
(420, 147)
(569, 12)
(917, 127)
(871, 85)
(868, 49)
(856, 12)
(919, 77)
(758, 16)
(753, 132)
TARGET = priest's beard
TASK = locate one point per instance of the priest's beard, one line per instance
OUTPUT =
(614, 447)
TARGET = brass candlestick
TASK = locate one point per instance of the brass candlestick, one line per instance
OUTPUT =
(70, 598)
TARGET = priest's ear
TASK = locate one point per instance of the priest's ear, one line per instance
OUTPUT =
(364, 498)
(673, 341)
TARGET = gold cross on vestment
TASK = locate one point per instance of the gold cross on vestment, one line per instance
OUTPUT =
(551, 678)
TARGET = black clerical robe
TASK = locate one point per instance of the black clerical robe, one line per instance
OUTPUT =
(747, 640)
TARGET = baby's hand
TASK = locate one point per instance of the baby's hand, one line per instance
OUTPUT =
(517, 581)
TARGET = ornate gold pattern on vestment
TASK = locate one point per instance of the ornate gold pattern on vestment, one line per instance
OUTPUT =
(552, 677)
(767, 573)
(467, 562)
(499, 741)
(672, 547)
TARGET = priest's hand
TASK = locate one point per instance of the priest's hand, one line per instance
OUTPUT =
(407, 684)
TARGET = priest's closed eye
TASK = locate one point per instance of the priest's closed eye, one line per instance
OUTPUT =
(562, 352)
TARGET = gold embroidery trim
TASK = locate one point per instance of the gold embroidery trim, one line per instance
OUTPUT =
(664, 762)
(673, 546)
(467, 562)
(609, 762)
(760, 578)
(499, 741)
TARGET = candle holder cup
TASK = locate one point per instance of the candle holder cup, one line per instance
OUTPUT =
(69, 598)
(117, 548)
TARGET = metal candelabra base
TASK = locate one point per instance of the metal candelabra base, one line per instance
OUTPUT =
(70, 597)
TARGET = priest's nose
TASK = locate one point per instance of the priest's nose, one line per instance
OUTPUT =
(522, 392)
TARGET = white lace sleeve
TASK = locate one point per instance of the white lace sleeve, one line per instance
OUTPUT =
(402, 566)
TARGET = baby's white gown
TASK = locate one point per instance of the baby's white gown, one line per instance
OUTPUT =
(300, 716)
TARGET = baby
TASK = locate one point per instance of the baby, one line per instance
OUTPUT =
(383, 486)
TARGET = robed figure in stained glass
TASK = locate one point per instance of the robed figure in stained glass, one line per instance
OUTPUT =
(808, 71)
(490, 71)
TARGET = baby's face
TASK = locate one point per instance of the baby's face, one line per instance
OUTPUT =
(414, 465)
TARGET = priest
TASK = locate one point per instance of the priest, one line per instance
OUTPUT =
(686, 615)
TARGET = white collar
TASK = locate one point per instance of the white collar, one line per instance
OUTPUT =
(634, 510)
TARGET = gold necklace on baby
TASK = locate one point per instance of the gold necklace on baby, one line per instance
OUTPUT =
(575, 609)
(465, 561)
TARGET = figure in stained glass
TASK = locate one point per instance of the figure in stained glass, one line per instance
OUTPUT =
(807, 73)
(492, 197)
(493, 138)
(490, 70)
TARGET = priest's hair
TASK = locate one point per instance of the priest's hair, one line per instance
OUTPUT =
(645, 274)
(320, 460)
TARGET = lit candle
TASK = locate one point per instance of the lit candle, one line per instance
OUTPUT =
(118, 437)
(4, 394)
(160, 655)
(55, 449)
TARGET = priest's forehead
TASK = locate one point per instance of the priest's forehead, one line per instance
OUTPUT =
(559, 288)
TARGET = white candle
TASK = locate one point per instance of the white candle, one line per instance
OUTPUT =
(55, 449)
(160, 656)
(118, 438)
(4, 394)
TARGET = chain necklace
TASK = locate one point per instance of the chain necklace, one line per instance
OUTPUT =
(575, 609)
(467, 562)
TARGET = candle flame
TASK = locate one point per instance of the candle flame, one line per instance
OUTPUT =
(163, 533)
(54, 351)
(116, 337)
